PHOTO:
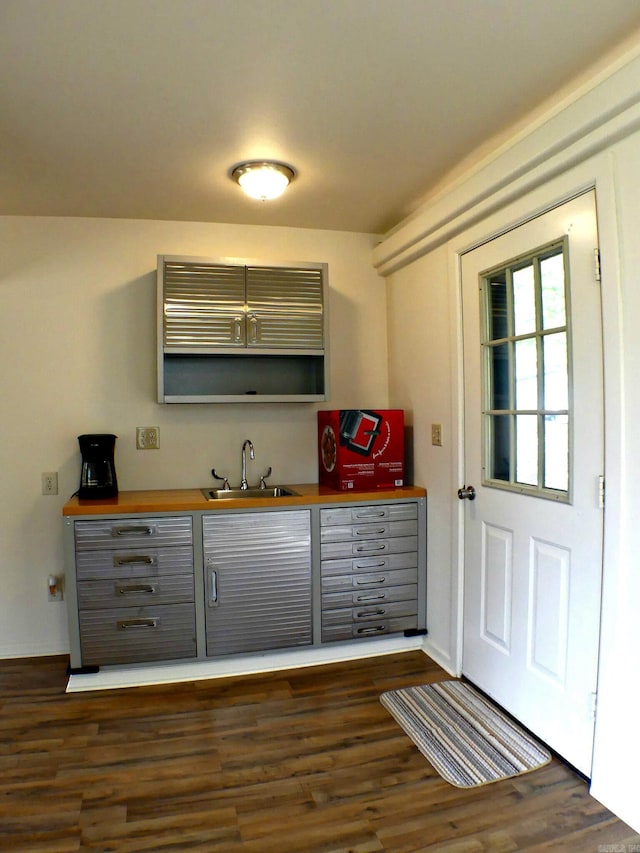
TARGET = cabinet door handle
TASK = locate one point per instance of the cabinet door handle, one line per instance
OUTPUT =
(363, 614)
(213, 588)
(139, 559)
(253, 323)
(363, 597)
(372, 629)
(133, 530)
(237, 329)
(137, 624)
(381, 579)
(137, 589)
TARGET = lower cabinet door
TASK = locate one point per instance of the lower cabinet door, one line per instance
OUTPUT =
(258, 581)
(137, 634)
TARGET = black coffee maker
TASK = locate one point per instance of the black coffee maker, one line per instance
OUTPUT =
(98, 472)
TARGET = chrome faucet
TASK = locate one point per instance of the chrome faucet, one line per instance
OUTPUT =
(252, 455)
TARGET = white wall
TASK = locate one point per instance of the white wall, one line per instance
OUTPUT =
(77, 348)
(590, 141)
(421, 316)
(617, 749)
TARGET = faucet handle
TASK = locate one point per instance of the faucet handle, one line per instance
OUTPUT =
(225, 481)
(264, 476)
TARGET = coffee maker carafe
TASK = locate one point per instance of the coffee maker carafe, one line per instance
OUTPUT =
(98, 472)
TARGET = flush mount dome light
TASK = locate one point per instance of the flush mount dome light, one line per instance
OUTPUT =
(263, 179)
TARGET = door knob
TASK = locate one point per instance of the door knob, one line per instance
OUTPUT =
(467, 493)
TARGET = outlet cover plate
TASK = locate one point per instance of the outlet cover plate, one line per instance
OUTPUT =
(147, 438)
(50, 483)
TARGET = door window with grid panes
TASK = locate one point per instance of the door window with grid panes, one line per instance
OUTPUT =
(526, 377)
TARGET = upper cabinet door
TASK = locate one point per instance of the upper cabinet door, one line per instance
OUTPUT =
(285, 307)
(209, 304)
(204, 305)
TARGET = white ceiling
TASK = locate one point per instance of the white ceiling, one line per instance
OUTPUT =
(138, 108)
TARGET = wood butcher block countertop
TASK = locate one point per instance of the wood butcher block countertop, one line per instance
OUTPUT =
(190, 500)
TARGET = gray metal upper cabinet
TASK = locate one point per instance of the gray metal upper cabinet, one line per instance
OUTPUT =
(252, 330)
(258, 581)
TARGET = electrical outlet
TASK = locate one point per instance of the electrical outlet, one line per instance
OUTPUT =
(50, 483)
(147, 438)
(436, 434)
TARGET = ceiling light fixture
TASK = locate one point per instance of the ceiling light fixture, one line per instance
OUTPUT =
(263, 179)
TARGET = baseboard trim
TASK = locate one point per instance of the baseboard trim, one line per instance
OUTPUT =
(109, 678)
(437, 656)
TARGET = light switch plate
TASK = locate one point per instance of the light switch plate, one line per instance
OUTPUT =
(436, 434)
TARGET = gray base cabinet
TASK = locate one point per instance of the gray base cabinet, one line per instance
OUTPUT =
(206, 583)
(258, 581)
(135, 589)
(369, 570)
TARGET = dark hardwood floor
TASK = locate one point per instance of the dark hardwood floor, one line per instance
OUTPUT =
(294, 762)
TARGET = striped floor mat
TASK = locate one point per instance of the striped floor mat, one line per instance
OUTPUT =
(462, 734)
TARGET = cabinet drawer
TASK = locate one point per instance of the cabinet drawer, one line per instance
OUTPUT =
(368, 630)
(381, 595)
(369, 580)
(369, 547)
(368, 514)
(134, 563)
(369, 613)
(118, 533)
(133, 635)
(380, 530)
(136, 592)
(382, 563)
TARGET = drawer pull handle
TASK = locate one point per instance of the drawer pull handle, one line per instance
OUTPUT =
(363, 614)
(379, 565)
(377, 532)
(372, 629)
(379, 514)
(134, 559)
(137, 589)
(377, 596)
(381, 579)
(137, 624)
(364, 548)
(133, 530)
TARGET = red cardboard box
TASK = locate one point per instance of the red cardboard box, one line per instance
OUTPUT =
(361, 448)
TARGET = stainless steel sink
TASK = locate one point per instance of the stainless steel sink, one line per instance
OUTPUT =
(229, 494)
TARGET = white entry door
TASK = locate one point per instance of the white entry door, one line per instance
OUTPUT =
(534, 462)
